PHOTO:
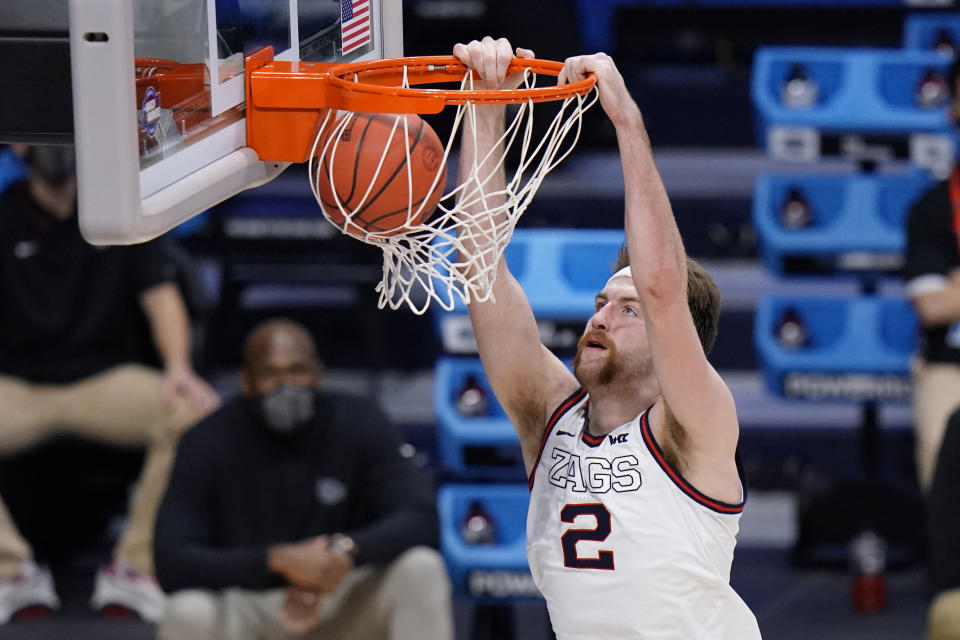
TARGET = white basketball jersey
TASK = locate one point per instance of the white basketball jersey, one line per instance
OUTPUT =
(621, 546)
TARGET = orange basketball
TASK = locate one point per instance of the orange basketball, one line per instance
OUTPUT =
(348, 166)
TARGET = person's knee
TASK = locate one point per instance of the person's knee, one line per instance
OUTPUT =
(175, 420)
(189, 615)
(422, 570)
(181, 418)
(169, 418)
(419, 593)
(944, 619)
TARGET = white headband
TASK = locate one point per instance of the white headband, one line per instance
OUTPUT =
(623, 273)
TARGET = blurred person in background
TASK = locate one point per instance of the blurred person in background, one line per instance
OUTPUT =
(932, 271)
(291, 512)
(71, 337)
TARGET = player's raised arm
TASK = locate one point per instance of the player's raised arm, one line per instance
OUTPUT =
(696, 398)
(527, 379)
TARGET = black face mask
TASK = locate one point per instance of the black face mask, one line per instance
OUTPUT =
(288, 409)
(53, 163)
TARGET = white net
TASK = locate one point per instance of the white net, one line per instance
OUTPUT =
(453, 252)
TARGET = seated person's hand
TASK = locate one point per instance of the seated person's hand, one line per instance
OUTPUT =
(310, 564)
(301, 610)
(182, 381)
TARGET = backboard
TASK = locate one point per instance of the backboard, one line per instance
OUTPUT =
(158, 97)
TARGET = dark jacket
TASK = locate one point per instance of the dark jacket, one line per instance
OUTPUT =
(70, 310)
(236, 489)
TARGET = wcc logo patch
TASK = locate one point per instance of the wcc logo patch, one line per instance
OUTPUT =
(619, 438)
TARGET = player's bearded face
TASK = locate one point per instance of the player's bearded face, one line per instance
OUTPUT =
(599, 361)
(614, 349)
(603, 373)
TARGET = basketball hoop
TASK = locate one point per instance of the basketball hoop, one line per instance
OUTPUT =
(454, 252)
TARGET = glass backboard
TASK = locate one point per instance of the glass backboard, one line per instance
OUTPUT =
(158, 97)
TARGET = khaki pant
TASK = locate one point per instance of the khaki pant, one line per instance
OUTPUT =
(121, 406)
(936, 393)
(409, 599)
(944, 618)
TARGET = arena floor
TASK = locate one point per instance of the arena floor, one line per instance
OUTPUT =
(790, 604)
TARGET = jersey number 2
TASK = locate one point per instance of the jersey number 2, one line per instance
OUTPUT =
(604, 559)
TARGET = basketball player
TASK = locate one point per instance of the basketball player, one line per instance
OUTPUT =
(636, 495)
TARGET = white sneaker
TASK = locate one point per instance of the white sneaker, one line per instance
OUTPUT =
(30, 593)
(121, 591)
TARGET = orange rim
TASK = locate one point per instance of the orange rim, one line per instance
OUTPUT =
(380, 78)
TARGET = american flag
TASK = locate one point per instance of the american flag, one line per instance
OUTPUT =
(354, 24)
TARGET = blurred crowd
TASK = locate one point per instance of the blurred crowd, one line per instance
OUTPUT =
(284, 510)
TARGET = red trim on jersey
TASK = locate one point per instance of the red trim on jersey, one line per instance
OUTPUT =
(565, 406)
(592, 440)
(686, 487)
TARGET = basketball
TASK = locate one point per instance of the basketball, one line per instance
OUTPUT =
(378, 201)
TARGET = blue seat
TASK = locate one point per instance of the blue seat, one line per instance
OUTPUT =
(858, 349)
(487, 573)
(859, 90)
(483, 446)
(560, 270)
(858, 221)
(920, 29)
